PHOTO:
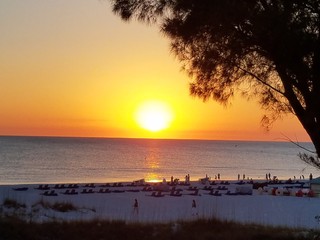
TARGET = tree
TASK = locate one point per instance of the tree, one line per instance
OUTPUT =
(264, 49)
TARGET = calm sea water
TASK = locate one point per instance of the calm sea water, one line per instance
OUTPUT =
(78, 160)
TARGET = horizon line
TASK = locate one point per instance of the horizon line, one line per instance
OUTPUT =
(149, 138)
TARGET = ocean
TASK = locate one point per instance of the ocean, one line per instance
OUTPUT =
(26, 160)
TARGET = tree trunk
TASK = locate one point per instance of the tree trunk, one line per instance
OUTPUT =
(313, 130)
(307, 115)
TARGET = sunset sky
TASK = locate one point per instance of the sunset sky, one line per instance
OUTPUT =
(73, 68)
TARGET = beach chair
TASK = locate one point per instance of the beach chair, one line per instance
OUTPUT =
(21, 189)
(133, 190)
(192, 188)
(67, 192)
(231, 193)
(195, 193)
(50, 193)
(43, 187)
(175, 193)
(213, 183)
(153, 194)
(90, 185)
(101, 190)
(207, 188)
(222, 188)
(159, 194)
(216, 193)
(53, 193)
(118, 191)
(84, 191)
(147, 189)
(73, 192)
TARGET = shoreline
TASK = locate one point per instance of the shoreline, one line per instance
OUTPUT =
(108, 202)
(156, 181)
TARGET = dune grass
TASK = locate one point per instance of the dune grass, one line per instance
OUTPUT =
(10, 203)
(57, 206)
(13, 228)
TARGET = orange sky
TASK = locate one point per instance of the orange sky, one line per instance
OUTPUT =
(72, 68)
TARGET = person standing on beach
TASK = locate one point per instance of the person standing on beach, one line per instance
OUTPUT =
(194, 208)
(136, 207)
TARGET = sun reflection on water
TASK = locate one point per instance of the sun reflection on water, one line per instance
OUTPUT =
(152, 178)
(152, 163)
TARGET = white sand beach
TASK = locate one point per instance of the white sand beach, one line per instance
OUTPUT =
(116, 202)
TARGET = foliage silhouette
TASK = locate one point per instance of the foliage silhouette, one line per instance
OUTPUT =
(266, 50)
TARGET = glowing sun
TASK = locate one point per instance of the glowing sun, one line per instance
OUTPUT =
(154, 116)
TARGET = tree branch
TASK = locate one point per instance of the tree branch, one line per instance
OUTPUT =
(298, 145)
(261, 81)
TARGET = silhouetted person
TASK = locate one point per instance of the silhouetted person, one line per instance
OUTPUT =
(194, 208)
(136, 207)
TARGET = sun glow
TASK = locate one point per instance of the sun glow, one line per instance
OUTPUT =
(154, 116)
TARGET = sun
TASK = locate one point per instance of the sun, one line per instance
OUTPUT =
(154, 116)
